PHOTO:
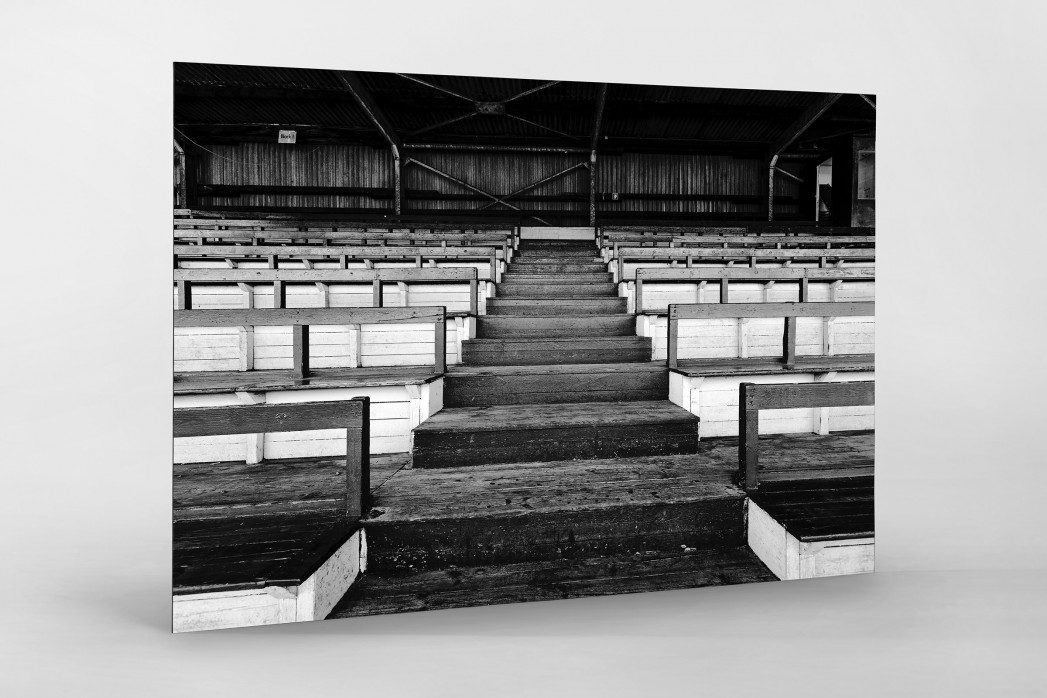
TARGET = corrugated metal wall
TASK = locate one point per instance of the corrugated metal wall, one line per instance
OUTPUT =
(359, 166)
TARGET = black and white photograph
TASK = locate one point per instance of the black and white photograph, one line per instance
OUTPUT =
(450, 341)
(533, 349)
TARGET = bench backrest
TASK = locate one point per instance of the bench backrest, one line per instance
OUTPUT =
(752, 255)
(299, 319)
(184, 280)
(789, 311)
(723, 275)
(274, 253)
(826, 241)
(352, 415)
(754, 397)
(220, 223)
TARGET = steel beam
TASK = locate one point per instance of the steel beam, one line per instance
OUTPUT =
(535, 185)
(363, 97)
(789, 135)
(470, 187)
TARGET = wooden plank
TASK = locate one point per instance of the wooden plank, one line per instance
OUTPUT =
(440, 342)
(789, 343)
(266, 418)
(299, 353)
(258, 317)
(358, 463)
(759, 274)
(749, 436)
(742, 253)
(786, 396)
(801, 239)
(330, 276)
(674, 342)
(406, 252)
(703, 311)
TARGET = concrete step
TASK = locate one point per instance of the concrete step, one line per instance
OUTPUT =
(492, 326)
(598, 277)
(481, 386)
(542, 290)
(553, 510)
(556, 306)
(566, 578)
(460, 436)
(560, 350)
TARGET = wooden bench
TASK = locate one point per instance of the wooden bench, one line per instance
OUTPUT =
(610, 236)
(275, 542)
(789, 311)
(264, 231)
(724, 275)
(306, 254)
(752, 256)
(776, 241)
(185, 279)
(300, 319)
(811, 512)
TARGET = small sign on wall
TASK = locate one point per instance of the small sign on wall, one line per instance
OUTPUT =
(287, 136)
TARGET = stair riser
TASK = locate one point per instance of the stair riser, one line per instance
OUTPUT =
(557, 268)
(705, 525)
(588, 252)
(554, 290)
(461, 448)
(507, 306)
(483, 391)
(492, 327)
(546, 358)
(573, 279)
(524, 262)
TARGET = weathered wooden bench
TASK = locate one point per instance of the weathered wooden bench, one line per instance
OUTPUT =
(275, 542)
(707, 387)
(300, 320)
(610, 237)
(729, 255)
(789, 311)
(265, 231)
(273, 255)
(186, 279)
(775, 241)
(810, 510)
(724, 275)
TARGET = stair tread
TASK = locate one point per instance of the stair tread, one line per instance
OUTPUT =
(568, 415)
(531, 489)
(550, 369)
(574, 339)
(549, 580)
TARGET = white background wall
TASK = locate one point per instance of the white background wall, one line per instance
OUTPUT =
(957, 607)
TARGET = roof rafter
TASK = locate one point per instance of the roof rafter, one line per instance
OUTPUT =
(803, 122)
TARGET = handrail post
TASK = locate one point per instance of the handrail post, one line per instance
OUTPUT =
(376, 292)
(789, 341)
(440, 340)
(358, 464)
(185, 295)
(748, 436)
(473, 293)
(300, 354)
(639, 293)
(672, 337)
(279, 294)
